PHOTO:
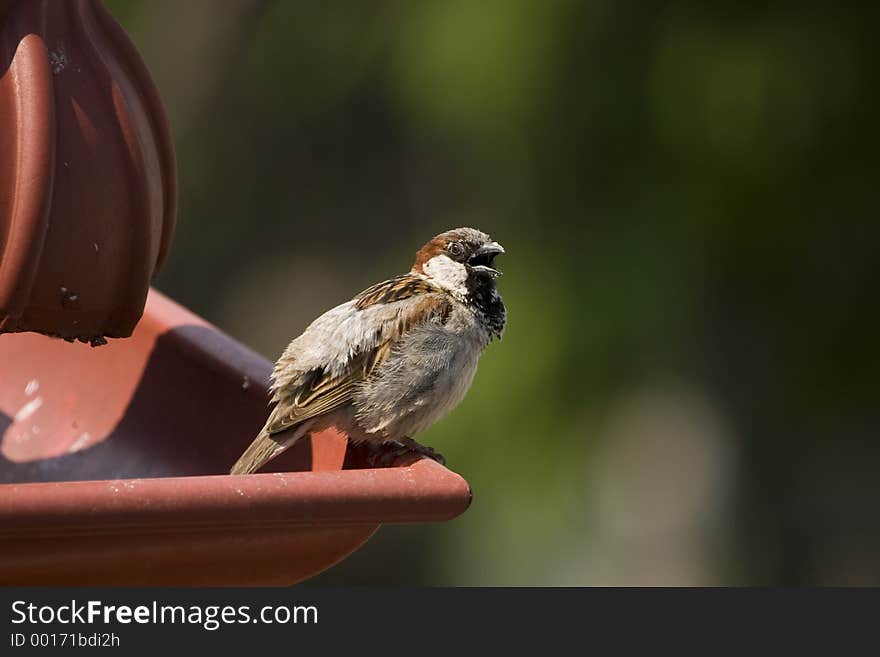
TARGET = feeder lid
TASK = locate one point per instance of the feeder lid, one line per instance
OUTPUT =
(88, 181)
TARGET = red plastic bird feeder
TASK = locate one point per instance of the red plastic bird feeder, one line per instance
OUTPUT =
(113, 460)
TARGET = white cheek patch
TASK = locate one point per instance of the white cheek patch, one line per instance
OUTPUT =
(447, 273)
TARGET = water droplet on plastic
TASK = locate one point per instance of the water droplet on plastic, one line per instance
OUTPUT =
(69, 298)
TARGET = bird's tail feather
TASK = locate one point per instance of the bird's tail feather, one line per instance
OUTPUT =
(266, 447)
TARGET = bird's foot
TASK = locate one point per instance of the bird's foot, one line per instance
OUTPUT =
(412, 446)
(385, 454)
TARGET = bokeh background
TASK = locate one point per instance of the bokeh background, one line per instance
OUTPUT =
(687, 392)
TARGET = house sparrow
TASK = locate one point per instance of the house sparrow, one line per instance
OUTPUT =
(393, 360)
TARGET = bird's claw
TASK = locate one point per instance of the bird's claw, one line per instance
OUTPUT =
(424, 450)
(386, 454)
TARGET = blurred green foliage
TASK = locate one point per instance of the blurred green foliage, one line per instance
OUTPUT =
(687, 390)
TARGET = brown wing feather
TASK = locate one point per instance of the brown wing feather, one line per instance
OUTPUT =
(319, 394)
(395, 289)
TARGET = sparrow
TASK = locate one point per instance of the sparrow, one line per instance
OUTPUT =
(393, 360)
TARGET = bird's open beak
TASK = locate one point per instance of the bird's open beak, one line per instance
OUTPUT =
(483, 258)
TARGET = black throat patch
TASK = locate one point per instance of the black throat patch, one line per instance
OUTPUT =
(483, 295)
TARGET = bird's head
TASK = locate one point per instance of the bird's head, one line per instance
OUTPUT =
(459, 260)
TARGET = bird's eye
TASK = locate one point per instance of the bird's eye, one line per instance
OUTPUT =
(455, 249)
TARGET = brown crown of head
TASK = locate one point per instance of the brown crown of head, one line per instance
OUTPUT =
(437, 245)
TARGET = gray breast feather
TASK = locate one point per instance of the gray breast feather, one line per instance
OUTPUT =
(427, 374)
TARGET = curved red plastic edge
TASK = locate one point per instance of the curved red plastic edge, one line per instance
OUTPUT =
(423, 491)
